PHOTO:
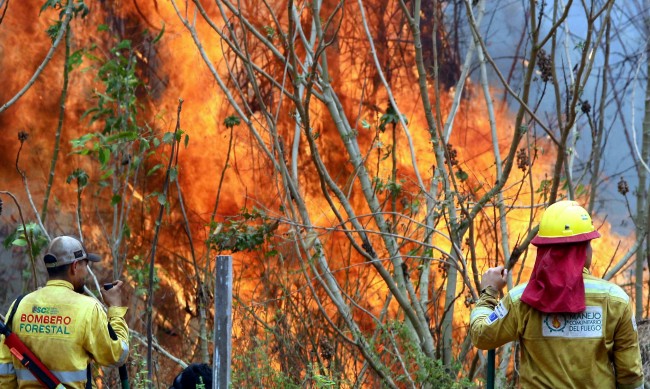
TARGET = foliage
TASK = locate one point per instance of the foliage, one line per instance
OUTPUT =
(79, 9)
(247, 232)
(390, 232)
(231, 121)
(118, 108)
(431, 371)
(20, 235)
(138, 380)
(393, 188)
(390, 117)
(253, 368)
(137, 269)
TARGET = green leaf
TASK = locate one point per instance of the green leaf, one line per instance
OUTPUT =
(187, 140)
(173, 174)
(168, 138)
(161, 199)
(126, 231)
(543, 185)
(461, 175)
(154, 169)
(231, 121)
(19, 242)
(116, 199)
(144, 144)
(75, 60)
(270, 32)
(157, 38)
(108, 173)
(124, 135)
(53, 30)
(102, 27)
(125, 44)
(106, 98)
(104, 155)
(365, 124)
(50, 4)
(89, 111)
(80, 9)
(80, 176)
(82, 140)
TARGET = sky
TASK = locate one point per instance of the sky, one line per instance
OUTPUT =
(627, 64)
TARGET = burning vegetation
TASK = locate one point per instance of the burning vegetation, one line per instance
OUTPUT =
(363, 163)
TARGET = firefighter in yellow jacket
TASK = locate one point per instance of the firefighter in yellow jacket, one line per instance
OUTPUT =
(65, 329)
(575, 330)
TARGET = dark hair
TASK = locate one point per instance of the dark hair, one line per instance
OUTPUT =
(194, 376)
(59, 271)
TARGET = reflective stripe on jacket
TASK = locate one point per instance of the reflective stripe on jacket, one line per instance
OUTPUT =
(597, 348)
(66, 331)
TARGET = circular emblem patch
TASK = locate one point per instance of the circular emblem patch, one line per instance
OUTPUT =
(555, 322)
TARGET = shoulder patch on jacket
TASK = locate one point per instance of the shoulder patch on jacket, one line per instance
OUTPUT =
(492, 318)
(500, 311)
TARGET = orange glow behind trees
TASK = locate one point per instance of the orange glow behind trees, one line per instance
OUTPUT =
(359, 227)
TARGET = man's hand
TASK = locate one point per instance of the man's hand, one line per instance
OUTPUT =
(113, 296)
(495, 277)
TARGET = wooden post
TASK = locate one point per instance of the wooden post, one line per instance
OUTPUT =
(222, 322)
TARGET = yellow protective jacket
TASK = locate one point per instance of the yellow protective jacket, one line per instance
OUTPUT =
(597, 348)
(65, 330)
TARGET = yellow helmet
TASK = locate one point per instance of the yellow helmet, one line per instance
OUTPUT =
(565, 222)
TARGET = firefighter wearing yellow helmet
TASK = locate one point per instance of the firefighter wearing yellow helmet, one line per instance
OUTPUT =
(575, 330)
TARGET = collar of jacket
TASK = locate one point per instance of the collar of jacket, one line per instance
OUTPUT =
(60, 283)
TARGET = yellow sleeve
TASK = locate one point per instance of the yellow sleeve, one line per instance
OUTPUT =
(105, 350)
(493, 323)
(627, 355)
(7, 371)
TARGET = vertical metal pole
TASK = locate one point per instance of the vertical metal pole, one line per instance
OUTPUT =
(222, 322)
(490, 368)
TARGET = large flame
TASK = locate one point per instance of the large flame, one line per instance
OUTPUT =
(175, 70)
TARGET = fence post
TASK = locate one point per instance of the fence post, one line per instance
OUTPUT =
(222, 322)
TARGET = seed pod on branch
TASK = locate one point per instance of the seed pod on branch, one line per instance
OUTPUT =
(522, 159)
(452, 154)
(623, 188)
(545, 65)
(22, 136)
(326, 350)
